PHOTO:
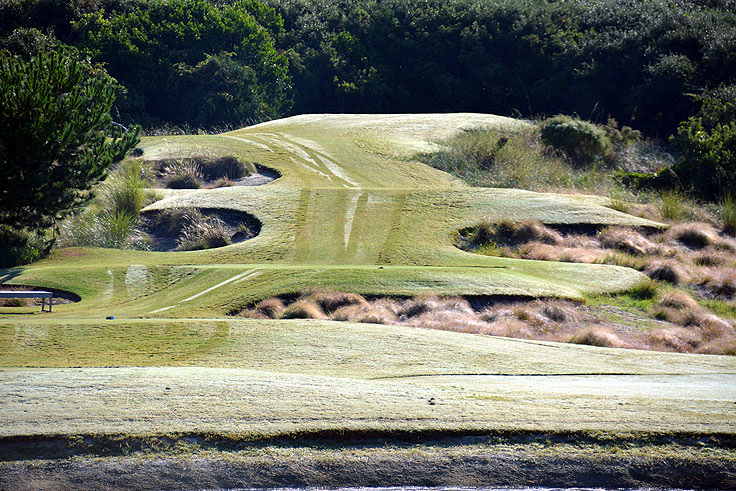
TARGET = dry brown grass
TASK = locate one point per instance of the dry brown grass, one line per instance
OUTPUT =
(367, 313)
(668, 271)
(510, 328)
(271, 308)
(678, 299)
(674, 338)
(303, 309)
(560, 312)
(694, 235)
(419, 305)
(711, 257)
(546, 252)
(626, 240)
(598, 335)
(330, 300)
(722, 283)
(536, 231)
(449, 320)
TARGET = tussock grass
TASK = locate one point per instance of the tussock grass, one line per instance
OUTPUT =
(597, 336)
(728, 214)
(626, 240)
(330, 300)
(694, 235)
(272, 308)
(645, 290)
(672, 206)
(205, 233)
(668, 271)
(303, 309)
(182, 174)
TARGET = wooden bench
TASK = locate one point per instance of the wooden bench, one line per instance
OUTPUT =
(30, 294)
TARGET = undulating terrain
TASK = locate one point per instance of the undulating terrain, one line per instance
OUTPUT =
(174, 379)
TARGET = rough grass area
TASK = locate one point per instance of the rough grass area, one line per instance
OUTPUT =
(353, 211)
(673, 321)
(498, 459)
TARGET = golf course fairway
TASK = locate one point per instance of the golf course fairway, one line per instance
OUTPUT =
(175, 382)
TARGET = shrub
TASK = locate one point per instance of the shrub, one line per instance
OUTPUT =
(20, 246)
(582, 142)
(708, 144)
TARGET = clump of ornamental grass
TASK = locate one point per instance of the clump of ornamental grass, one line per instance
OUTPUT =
(626, 240)
(182, 174)
(271, 308)
(671, 206)
(205, 233)
(728, 214)
(331, 300)
(92, 228)
(364, 312)
(597, 335)
(303, 309)
(124, 191)
(644, 290)
(668, 271)
(694, 235)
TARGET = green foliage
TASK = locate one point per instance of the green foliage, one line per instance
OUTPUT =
(111, 219)
(54, 137)
(671, 206)
(124, 191)
(582, 142)
(728, 214)
(92, 228)
(190, 61)
(20, 246)
(646, 290)
(708, 144)
(493, 157)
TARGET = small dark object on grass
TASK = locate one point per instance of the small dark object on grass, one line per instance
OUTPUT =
(110, 317)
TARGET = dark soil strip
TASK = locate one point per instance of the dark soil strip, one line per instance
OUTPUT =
(63, 446)
(334, 459)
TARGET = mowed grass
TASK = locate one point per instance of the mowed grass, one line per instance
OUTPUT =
(268, 377)
(352, 212)
(350, 195)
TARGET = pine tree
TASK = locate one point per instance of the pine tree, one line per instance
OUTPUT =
(56, 136)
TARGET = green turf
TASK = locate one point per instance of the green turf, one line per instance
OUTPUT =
(352, 211)
(351, 198)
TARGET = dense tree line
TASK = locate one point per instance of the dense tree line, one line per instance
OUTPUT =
(635, 61)
(203, 63)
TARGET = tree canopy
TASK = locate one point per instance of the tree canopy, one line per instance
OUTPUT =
(55, 136)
